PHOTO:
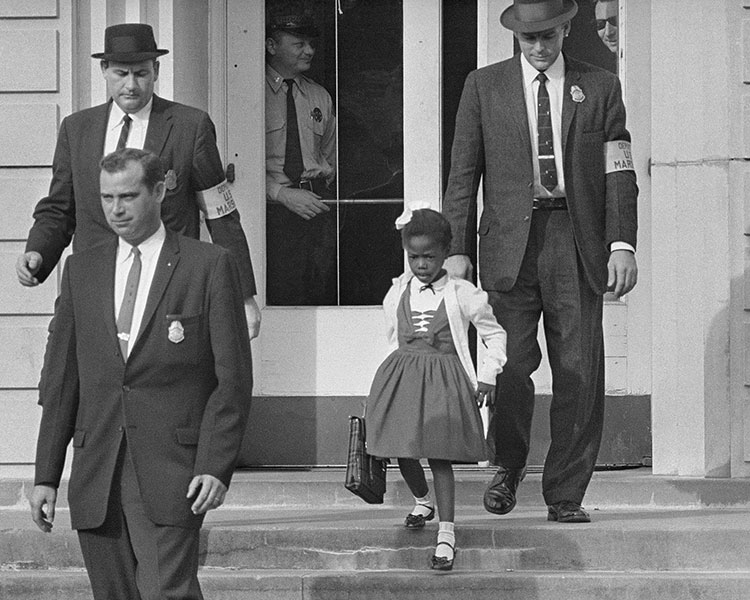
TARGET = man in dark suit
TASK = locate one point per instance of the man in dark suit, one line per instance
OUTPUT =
(155, 400)
(547, 135)
(183, 137)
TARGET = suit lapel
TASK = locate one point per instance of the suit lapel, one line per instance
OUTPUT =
(159, 126)
(165, 267)
(91, 147)
(514, 99)
(572, 77)
(103, 267)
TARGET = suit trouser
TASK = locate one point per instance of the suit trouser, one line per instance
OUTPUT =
(131, 558)
(551, 283)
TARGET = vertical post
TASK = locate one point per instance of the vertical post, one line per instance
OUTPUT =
(422, 101)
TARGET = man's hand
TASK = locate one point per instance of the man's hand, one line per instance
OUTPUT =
(304, 203)
(27, 266)
(458, 265)
(623, 272)
(252, 315)
(210, 493)
(485, 394)
(41, 495)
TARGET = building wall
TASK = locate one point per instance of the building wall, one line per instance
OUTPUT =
(36, 88)
(686, 325)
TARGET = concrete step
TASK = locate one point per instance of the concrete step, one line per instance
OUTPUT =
(324, 488)
(412, 585)
(302, 536)
(368, 538)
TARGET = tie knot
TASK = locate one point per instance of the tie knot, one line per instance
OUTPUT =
(126, 119)
(289, 84)
(136, 252)
(541, 78)
(427, 286)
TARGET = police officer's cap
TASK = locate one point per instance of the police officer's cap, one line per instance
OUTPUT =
(300, 25)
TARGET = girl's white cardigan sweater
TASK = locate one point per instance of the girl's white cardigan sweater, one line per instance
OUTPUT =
(464, 304)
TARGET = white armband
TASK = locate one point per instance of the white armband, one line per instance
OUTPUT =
(217, 201)
(618, 156)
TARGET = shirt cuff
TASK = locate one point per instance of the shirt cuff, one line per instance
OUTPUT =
(621, 246)
(272, 190)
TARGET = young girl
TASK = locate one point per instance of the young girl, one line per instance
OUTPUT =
(424, 401)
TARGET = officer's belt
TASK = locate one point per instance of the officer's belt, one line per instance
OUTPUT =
(317, 186)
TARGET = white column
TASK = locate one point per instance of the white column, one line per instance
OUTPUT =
(692, 229)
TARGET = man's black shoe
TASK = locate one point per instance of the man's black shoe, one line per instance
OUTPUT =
(500, 497)
(567, 512)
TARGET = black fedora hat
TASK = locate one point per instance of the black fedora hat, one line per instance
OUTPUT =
(531, 16)
(129, 43)
(301, 25)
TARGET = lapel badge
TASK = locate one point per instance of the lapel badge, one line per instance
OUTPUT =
(170, 179)
(176, 332)
(577, 94)
(316, 115)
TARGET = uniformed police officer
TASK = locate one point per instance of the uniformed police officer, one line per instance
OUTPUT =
(300, 168)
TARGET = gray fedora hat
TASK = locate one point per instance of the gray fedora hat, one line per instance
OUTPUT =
(531, 16)
(129, 43)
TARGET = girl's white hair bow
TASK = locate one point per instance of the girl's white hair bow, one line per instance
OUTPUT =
(405, 216)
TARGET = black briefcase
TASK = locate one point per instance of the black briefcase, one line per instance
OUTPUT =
(365, 474)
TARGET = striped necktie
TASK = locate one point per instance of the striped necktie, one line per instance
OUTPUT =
(547, 169)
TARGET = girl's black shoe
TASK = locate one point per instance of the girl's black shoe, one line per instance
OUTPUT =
(440, 563)
(417, 521)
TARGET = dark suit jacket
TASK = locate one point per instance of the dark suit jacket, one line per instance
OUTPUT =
(183, 406)
(492, 140)
(183, 137)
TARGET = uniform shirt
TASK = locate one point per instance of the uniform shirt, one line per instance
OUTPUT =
(317, 127)
(138, 127)
(150, 250)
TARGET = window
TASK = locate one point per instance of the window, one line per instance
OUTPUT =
(349, 255)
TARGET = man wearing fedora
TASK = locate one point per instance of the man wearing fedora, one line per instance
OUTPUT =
(546, 134)
(300, 166)
(182, 137)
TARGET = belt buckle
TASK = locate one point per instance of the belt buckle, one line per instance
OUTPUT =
(306, 185)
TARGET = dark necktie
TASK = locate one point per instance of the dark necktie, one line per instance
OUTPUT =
(427, 286)
(124, 131)
(125, 318)
(547, 170)
(293, 165)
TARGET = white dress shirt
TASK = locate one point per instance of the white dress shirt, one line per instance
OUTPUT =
(138, 128)
(150, 250)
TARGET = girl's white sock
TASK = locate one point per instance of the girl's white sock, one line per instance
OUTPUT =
(447, 535)
(423, 505)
